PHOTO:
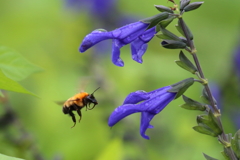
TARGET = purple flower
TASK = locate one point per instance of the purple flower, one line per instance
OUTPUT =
(134, 34)
(96, 7)
(148, 103)
(237, 61)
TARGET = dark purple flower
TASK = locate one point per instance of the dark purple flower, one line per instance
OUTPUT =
(134, 34)
(96, 7)
(237, 61)
(148, 103)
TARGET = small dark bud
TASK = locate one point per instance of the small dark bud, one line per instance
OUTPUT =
(192, 6)
(172, 44)
(183, 3)
(163, 8)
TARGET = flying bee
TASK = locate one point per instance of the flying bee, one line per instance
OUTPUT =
(77, 102)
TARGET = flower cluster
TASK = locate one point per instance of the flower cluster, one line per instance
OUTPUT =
(148, 103)
(134, 34)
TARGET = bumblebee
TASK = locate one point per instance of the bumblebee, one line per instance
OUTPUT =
(77, 102)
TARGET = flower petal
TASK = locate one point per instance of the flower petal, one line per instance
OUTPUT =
(146, 117)
(93, 38)
(136, 97)
(116, 45)
(122, 112)
(158, 103)
(139, 46)
(132, 30)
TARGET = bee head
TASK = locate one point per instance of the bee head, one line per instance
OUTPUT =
(91, 99)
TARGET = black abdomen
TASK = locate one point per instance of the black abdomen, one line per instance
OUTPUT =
(65, 110)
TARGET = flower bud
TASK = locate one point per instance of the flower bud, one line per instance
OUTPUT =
(163, 8)
(172, 44)
(192, 6)
(183, 3)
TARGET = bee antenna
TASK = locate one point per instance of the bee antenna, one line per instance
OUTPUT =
(95, 90)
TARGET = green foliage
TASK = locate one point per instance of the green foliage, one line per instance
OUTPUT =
(4, 157)
(14, 65)
(11, 85)
(185, 63)
(208, 157)
(181, 87)
(49, 34)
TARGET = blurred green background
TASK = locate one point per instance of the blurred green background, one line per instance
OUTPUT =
(48, 34)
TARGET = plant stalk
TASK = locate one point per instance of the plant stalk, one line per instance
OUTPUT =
(216, 111)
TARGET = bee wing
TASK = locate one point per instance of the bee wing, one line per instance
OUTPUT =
(60, 102)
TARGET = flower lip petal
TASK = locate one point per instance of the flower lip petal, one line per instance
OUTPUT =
(93, 38)
(146, 117)
(122, 112)
(136, 97)
(116, 45)
(129, 30)
(138, 48)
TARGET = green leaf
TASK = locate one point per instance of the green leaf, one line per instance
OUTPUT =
(154, 20)
(181, 86)
(14, 65)
(180, 29)
(191, 104)
(11, 85)
(186, 64)
(162, 36)
(204, 130)
(206, 98)
(169, 34)
(209, 122)
(164, 23)
(236, 143)
(4, 157)
(208, 157)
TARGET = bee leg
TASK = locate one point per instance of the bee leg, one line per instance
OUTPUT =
(80, 115)
(91, 108)
(73, 118)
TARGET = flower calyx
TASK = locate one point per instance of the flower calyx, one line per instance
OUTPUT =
(180, 87)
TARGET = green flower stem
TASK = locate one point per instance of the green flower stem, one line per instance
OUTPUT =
(215, 108)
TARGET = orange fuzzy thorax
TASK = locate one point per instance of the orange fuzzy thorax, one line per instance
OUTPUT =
(76, 99)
